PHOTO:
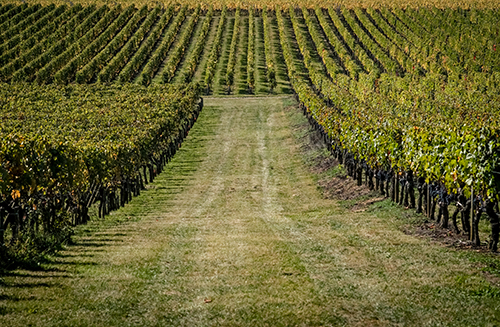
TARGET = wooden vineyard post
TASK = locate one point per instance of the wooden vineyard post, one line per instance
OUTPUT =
(428, 203)
(2, 231)
(471, 213)
(396, 192)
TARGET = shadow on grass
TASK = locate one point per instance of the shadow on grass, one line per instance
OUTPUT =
(48, 261)
(4, 297)
(28, 275)
(28, 285)
(74, 263)
(286, 90)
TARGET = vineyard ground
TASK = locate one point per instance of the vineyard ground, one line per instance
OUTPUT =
(236, 231)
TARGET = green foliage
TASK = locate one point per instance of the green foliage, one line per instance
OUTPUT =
(270, 65)
(352, 67)
(59, 143)
(67, 73)
(216, 48)
(32, 26)
(231, 63)
(88, 72)
(22, 20)
(91, 131)
(158, 56)
(352, 42)
(52, 42)
(31, 249)
(400, 89)
(79, 40)
(135, 53)
(8, 11)
(330, 63)
(30, 45)
(194, 57)
(250, 50)
(442, 132)
(171, 66)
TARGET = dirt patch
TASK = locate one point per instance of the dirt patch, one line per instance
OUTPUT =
(492, 279)
(343, 188)
(324, 164)
(358, 198)
(446, 237)
(336, 184)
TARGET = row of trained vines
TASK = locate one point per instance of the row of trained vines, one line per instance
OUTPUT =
(426, 137)
(66, 45)
(84, 45)
(105, 44)
(66, 149)
(408, 99)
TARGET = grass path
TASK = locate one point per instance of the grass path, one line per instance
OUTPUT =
(236, 233)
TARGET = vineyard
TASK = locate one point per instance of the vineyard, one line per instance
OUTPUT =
(164, 163)
(95, 100)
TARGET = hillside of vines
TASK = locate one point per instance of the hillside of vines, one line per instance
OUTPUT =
(246, 4)
(95, 99)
